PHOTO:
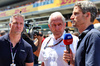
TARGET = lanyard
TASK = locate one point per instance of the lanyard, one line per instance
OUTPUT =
(52, 45)
(13, 56)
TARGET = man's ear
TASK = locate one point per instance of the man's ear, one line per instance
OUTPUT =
(49, 26)
(88, 14)
(65, 24)
(9, 24)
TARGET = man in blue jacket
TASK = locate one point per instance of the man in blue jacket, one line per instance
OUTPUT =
(88, 48)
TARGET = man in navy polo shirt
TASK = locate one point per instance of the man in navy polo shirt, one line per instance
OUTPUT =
(14, 51)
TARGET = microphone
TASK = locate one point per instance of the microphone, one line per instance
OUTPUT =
(68, 39)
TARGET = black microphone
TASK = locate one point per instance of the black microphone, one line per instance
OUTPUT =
(68, 39)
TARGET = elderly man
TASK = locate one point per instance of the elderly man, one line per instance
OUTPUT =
(51, 53)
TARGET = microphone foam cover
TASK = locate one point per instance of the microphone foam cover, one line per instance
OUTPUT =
(68, 39)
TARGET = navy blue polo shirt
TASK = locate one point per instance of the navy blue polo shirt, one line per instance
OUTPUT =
(24, 52)
(88, 48)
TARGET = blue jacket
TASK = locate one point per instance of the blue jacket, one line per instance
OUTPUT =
(88, 49)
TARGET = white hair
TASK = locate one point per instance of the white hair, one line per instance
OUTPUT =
(56, 14)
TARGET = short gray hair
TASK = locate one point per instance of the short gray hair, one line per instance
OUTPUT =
(16, 15)
(87, 6)
(57, 14)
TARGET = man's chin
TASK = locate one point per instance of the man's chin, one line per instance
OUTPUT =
(58, 34)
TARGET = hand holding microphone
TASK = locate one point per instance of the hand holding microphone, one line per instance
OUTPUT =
(68, 39)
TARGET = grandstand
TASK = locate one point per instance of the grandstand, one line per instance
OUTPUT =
(37, 12)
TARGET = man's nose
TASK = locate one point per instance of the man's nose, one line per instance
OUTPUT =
(18, 25)
(57, 27)
(72, 17)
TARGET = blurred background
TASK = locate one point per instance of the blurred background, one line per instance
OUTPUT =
(36, 14)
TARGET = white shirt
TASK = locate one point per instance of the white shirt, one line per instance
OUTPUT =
(53, 56)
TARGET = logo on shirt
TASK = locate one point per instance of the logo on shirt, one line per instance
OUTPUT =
(62, 46)
(22, 50)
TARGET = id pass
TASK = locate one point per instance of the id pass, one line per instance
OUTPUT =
(12, 64)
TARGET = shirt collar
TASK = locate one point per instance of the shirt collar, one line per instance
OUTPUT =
(6, 37)
(52, 36)
(90, 27)
(86, 30)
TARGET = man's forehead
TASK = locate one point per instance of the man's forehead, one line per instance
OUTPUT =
(56, 21)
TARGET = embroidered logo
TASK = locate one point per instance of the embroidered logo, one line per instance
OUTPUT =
(22, 50)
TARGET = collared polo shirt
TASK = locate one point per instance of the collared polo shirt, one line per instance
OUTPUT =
(24, 52)
(53, 56)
